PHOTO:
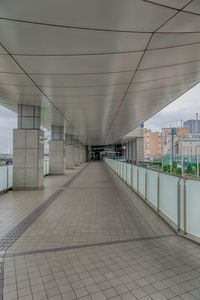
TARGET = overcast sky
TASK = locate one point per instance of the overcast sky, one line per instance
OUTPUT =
(8, 121)
(183, 108)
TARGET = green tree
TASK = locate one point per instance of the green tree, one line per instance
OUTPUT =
(189, 169)
(166, 168)
(179, 171)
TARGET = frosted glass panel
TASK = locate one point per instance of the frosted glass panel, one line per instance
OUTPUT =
(193, 207)
(182, 204)
(152, 187)
(124, 172)
(168, 192)
(3, 178)
(134, 178)
(129, 174)
(169, 196)
(10, 176)
(46, 166)
(141, 182)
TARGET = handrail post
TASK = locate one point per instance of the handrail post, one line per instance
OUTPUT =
(137, 179)
(7, 176)
(179, 205)
(126, 173)
(185, 208)
(146, 184)
(131, 176)
(158, 193)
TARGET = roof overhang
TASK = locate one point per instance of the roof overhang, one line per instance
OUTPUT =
(98, 67)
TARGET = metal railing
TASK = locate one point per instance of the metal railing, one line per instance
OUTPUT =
(176, 199)
(6, 175)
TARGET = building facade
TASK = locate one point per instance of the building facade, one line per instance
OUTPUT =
(152, 144)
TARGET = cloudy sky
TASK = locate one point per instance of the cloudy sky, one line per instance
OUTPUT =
(183, 108)
(8, 121)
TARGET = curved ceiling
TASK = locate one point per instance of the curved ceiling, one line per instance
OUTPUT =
(100, 67)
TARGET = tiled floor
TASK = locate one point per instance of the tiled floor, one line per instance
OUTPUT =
(97, 241)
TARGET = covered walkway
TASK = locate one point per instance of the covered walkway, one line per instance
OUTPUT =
(88, 236)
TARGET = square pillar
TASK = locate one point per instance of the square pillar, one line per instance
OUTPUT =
(56, 151)
(69, 152)
(140, 149)
(81, 153)
(28, 150)
(76, 153)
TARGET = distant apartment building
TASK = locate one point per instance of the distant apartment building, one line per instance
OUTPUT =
(152, 144)
(157, 143)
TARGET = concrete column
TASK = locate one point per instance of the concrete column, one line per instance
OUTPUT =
(126, 150)
(137, 150)
(76, 153)
(82, 154)
(56, 151)
(130, 151)
(28, 149)
(69, 152)
(140, 149)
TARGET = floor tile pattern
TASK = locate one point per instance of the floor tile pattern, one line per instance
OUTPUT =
(109, 245)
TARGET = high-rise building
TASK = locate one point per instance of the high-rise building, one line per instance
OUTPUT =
(193, 125)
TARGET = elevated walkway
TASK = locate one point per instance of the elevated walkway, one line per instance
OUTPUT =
(88, 236)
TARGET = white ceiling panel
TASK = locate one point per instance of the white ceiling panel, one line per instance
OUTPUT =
(173, 56)
(161, 40)
(38, 39)
(193, 7)
(112, 14)
(63, 80)
(167, 72)
(79, 64)
(15, 79)
(163, 83)
(87, 68)
(182, 22)
(84, 91)
(178, 4)
(7, 65)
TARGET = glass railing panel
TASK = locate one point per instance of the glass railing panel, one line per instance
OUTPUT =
(118, 164)
(193, 207)
(124, 172)
(152, 187)
(181, 183)
(169, 196)
(128, 171)
(10, 176)
(134, 177)
(46, 166)
(174, 192)
(3, 178)
(121, 169)
(141, 181)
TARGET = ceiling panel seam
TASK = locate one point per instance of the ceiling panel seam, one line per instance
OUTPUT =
(64, 118)
(177, 12)
(100, 53)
